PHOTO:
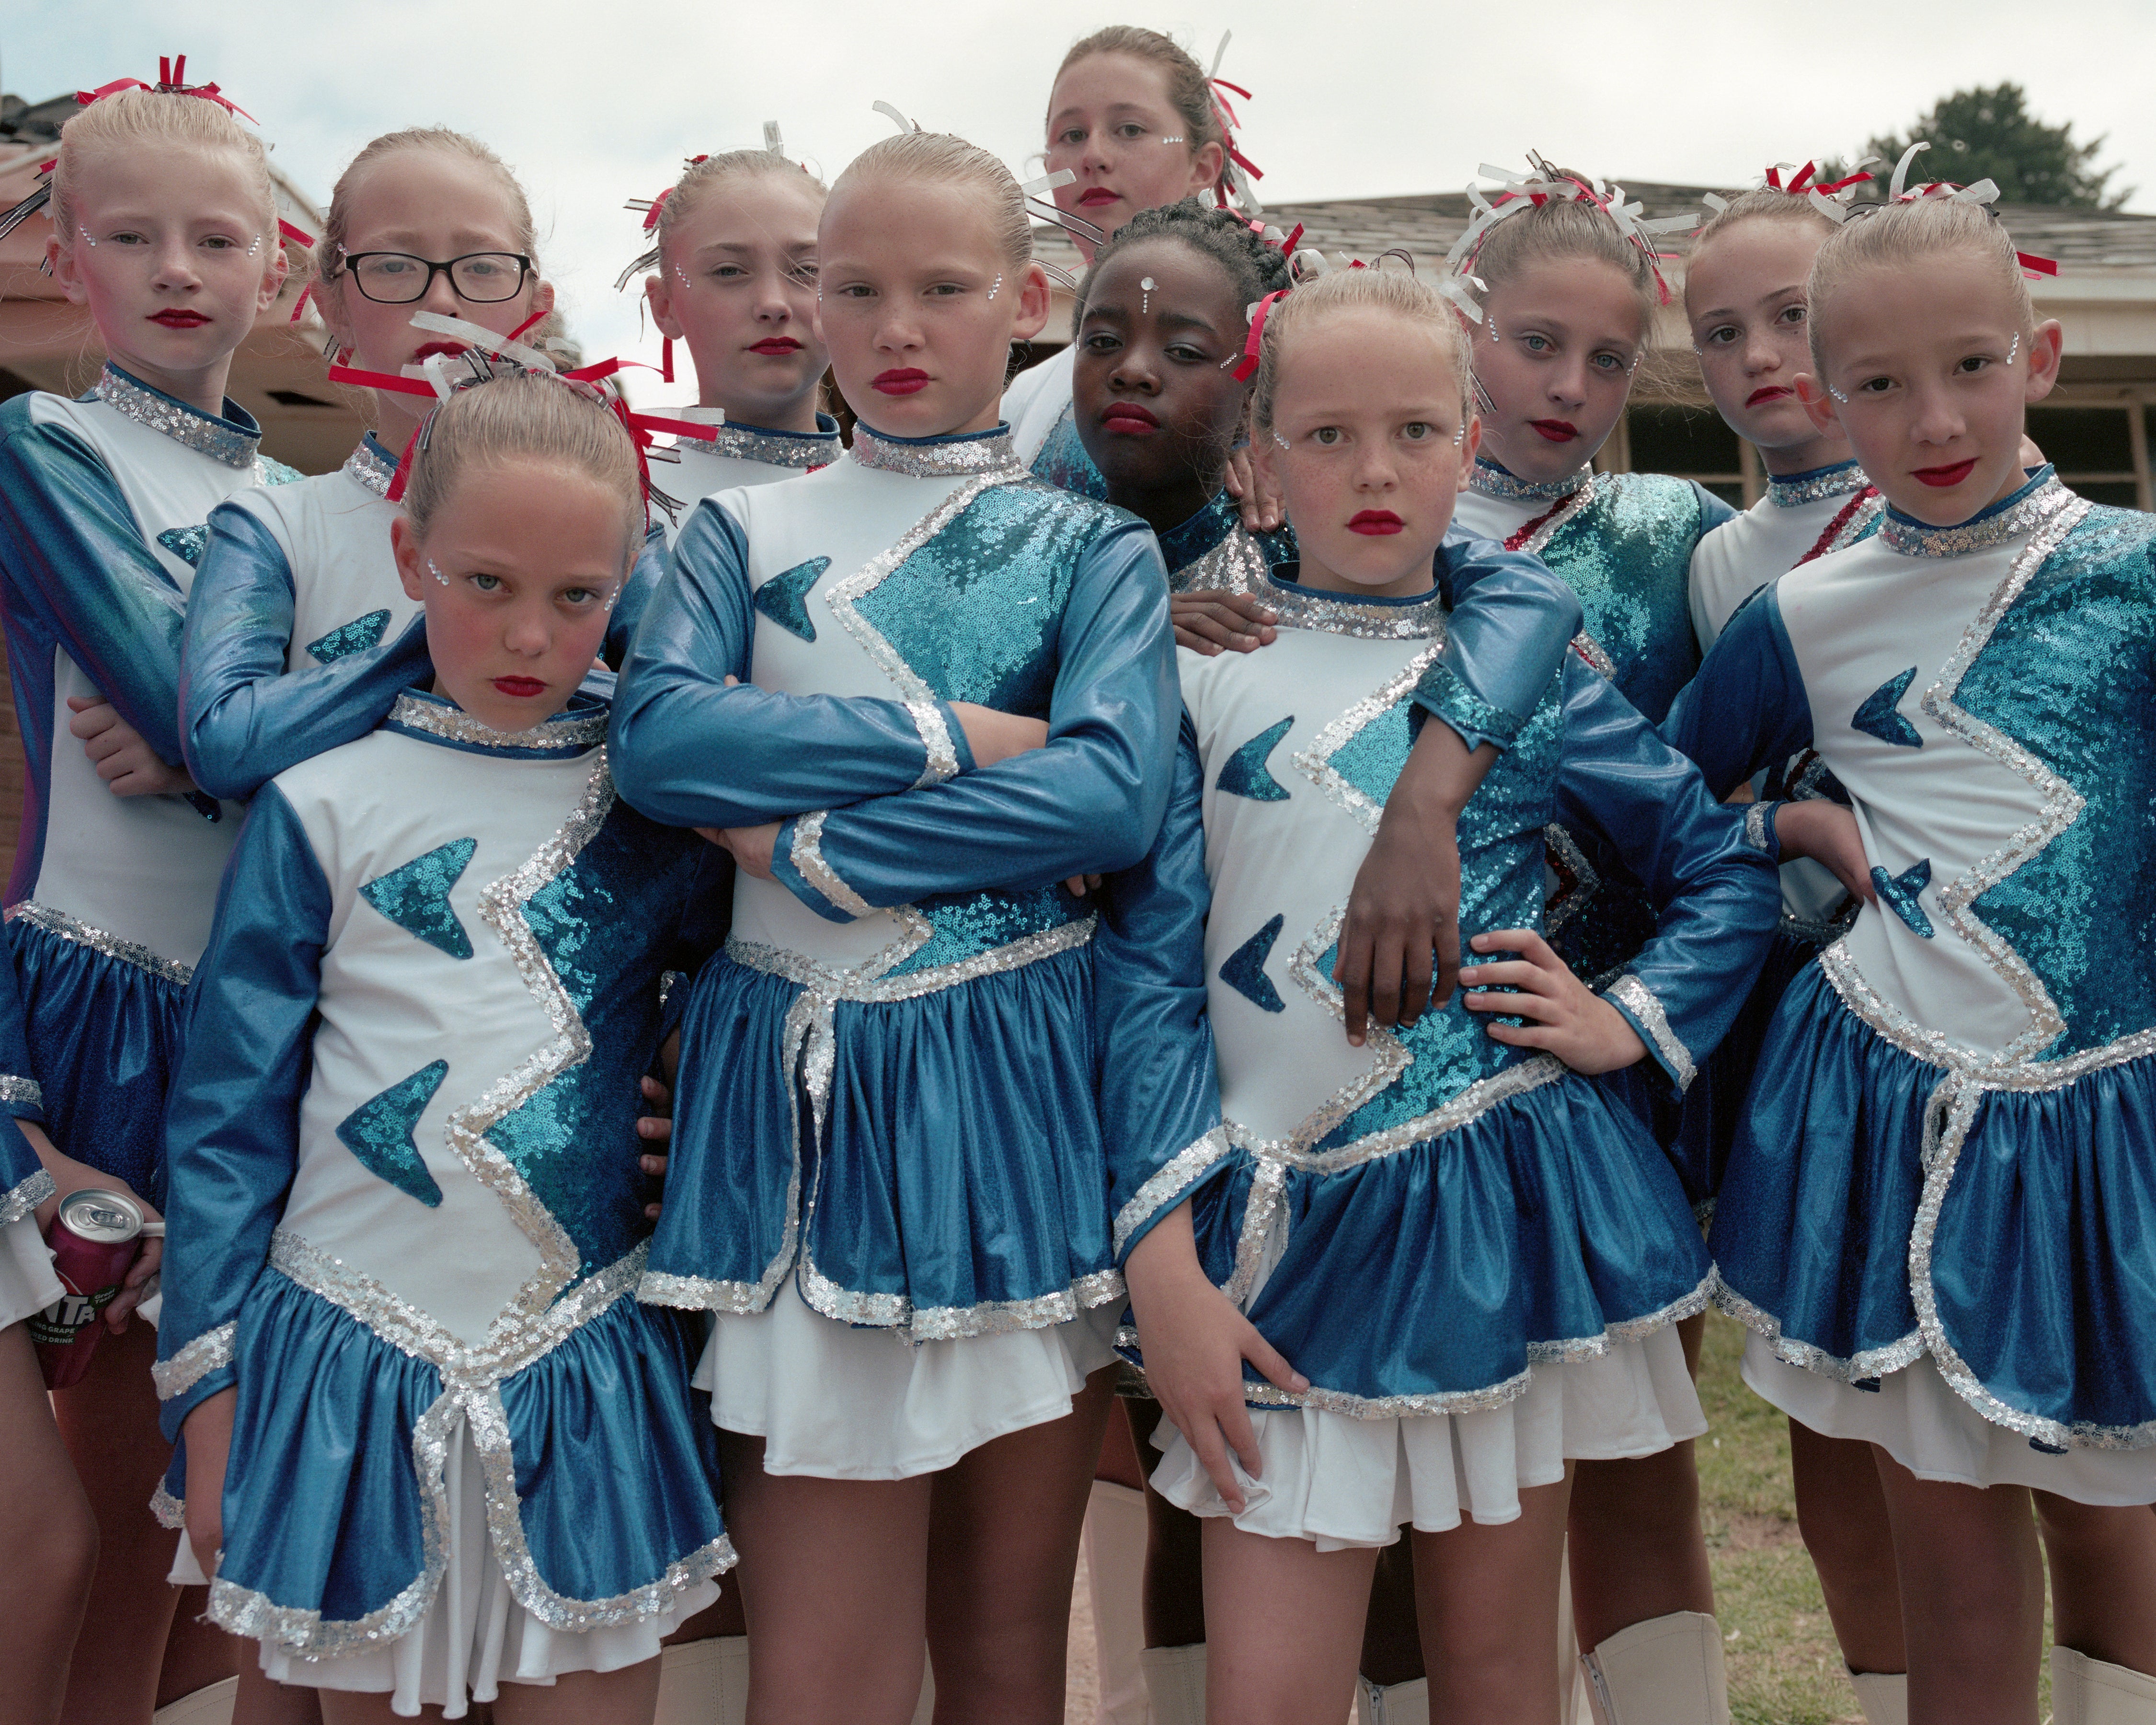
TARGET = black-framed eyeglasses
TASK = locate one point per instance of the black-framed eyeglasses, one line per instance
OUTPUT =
(399, 278)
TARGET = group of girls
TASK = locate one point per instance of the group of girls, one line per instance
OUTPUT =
(1042, 1010)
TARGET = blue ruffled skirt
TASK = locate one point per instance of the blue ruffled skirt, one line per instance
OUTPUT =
(104, 1039)
(2021, 1264)
(600, 1468)
(948, 1177)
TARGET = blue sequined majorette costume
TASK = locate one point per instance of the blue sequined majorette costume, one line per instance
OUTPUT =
(407, 1217)
(300, 635)
(738, 454)
(104, 505)
(1945, 1157)
(1624, 543)
(1803, 516)
(27, 1281)
(1474, 1253)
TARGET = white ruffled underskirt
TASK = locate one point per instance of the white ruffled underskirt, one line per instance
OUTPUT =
(832, 1401)
(28, 1284)
(1916, 1417)
(474, 1636)
(1342, 1481)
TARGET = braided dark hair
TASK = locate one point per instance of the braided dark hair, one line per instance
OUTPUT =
(1254, 267)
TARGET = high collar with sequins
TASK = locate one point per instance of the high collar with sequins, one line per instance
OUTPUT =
(232, 439)
(371, 466)
(1367, 618)
(804, 449)
(1182, 544)
(959, 456)
(2009, 518)
(1492, 480)
(580, 725)
(1793, 491)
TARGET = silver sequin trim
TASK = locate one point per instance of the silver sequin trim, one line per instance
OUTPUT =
(557, 736)
(1315, 762)
(1639, 1001)
(1571, 900)
(843, 596)
(366, 467)
(207, 1353)
(13, 1089)
(1914, 539)
(955, 1323)
(219, 439)
(1493, 481)
(24, 1200)
(100, 940)
(1331, 614)
(170, 1512)
(1816, 487)
(773, 449)
(1590, 649)
(987, 457)
(1237, 564)
(1559, 519)
(1755, 834)
(806, 853)
(1856, 527)
(1168, 1183)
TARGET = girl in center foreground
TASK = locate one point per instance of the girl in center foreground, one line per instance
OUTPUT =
(1473, 1254)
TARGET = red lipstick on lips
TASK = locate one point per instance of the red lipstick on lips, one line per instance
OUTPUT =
(175, 318)
(776, 346)
(903, 380)
(1129, 418)
(1773, 392)
(1946, 478)
(427, 350)
(1093, 197)
(1377, 523)
(519, 688)
(1556, 431)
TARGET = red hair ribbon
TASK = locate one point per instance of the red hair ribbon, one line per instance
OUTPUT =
(1246, 367)
(172, 80)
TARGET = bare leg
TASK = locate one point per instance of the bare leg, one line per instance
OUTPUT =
(1972, 1598)
(2103, 1580)
(1174, 1571)
(1285, 1623)
(1637, 1549)
(262, 1701)
(1841, 1511)
(1003, 1549)
(833, 1575)
(1487, 1599)
(50, 1535)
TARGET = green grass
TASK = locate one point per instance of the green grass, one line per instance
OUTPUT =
(1784, 1668)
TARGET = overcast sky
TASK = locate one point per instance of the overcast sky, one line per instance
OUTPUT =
(593, 104)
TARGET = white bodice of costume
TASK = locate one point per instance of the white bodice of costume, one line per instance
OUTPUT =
(1740, 556)
(1857, 620)
(1035, 399)
(141, 871)
(391, 1004)
(706, 469)
(334, 534)
(1496, 518)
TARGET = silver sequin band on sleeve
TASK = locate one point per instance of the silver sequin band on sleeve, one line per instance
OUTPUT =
(1168, 1182)
(807, 854)
(24, 1200)
(207, 1353)
(1758, 830)
(100, 940)
(1639, 1003)
(13, 1089)
(219, 439)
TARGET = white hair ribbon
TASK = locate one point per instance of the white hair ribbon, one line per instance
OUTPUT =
(436, 324)
(896, 119)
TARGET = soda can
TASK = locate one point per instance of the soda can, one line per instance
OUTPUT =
(94, 1239)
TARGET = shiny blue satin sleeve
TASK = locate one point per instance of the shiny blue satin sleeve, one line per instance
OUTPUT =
(1089, 802)
(1712, 512)
(231, 1119)
(246, 719)
(1160, 1094)
(645, 576)
(1747, 709)
(690, 751)
(1718, 894)
(78, 567)
(1510, 625)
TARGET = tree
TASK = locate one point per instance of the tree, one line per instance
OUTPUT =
(1990, 135)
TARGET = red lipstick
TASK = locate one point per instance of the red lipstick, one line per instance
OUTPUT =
(1377, 523)
(903, 380)
(1556, 431)
(1130, 418)
(1946, 478)
(1772, 391)
(1093, 197)
(175, 318)
(776, 347)
(428, 349)
(519, 688)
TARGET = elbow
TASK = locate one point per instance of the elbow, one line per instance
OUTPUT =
(219, 770)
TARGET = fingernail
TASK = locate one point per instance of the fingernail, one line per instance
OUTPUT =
(1300, 1382)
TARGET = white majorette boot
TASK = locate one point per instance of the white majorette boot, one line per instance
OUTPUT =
(209, 1705)
(1883, 1696)
(704, 1682)
(2087, 1692)
(1665, 1671)
(1391, 1703)
(1115, 1549)
(1175, 1681)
